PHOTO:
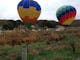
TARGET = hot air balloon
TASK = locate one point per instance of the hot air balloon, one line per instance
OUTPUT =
(29, 11)
(66, 15)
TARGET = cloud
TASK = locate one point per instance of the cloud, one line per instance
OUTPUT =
(8, 9)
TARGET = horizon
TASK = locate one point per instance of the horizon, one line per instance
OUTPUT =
(37, 19)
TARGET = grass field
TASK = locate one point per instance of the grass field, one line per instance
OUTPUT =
(47, 46)
(41, 51)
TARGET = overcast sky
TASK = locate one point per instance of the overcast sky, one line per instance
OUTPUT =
(8, 8)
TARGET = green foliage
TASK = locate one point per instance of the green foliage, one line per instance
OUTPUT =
(52, 54)
(18, 58)
(72, 39)
(47, 23)
(18, 22)
(11, 24)
(27, 24)
(57, 54)
(6, 51)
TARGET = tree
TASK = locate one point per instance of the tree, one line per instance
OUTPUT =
(9, 26)
(18, 22)
(46, 23)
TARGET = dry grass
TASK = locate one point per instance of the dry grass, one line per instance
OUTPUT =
(16, 37)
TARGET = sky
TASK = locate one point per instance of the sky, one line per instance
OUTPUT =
(8, 8)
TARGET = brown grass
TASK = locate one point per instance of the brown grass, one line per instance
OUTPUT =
(16, 37)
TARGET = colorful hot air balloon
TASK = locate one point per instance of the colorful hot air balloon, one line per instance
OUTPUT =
(66, 15)
(29, 11)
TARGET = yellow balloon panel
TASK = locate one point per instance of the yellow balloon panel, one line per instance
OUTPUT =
(69, 21)
(31, 12)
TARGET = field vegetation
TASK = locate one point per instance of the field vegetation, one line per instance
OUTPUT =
(42, 45)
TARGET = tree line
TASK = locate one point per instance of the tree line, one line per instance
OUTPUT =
(11, 24)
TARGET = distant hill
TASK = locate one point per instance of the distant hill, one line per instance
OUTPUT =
(44, 23)
(52, 24)
(76, 23)
(9, 24)
(3, 22)
(39, 23)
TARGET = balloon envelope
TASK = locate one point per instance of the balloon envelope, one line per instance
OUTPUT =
(66, 15)
(29, 10)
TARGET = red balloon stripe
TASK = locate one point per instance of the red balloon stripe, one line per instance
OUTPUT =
(32, 20)
(74, 13)
(67, 16)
